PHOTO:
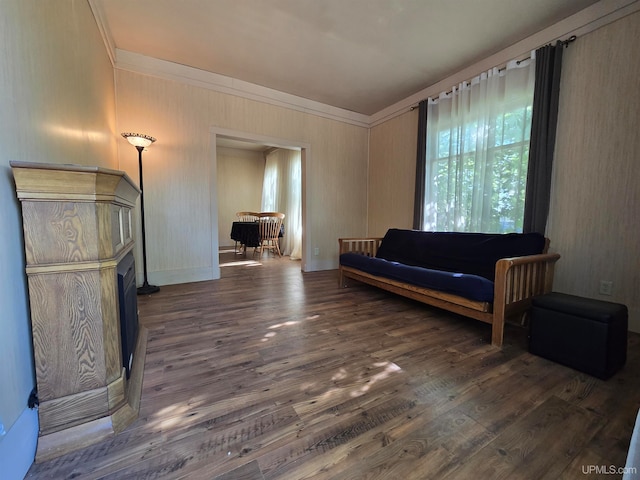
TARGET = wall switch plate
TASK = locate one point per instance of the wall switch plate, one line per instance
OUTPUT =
(606, 287)
(316, 251)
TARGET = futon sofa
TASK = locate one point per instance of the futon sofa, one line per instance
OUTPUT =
(488, 277)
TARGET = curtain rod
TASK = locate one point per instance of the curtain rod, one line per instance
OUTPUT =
(564, 43)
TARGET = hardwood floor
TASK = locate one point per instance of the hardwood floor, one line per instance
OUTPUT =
(270, 373)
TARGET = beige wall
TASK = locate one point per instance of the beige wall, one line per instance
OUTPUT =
(240, 178)
(392, 165)
(595, 202)
(58, 106)
(593, 222)
(180, 178)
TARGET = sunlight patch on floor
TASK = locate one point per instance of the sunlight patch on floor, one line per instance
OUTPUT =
(340, 375)
(388, 368)
(240, 263)
(352, 384)
(268, 336)
(285, 324)
(171, 415)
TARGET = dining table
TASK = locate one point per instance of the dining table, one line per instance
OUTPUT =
(247, 234)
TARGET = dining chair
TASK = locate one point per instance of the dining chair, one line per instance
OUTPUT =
(245, 217)
(269, 226)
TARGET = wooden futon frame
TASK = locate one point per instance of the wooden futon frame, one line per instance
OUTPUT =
(517, 281)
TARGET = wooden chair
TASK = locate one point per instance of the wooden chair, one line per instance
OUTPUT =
(245, 217)
(269, 226)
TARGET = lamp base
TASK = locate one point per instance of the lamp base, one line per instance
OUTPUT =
(147, 289)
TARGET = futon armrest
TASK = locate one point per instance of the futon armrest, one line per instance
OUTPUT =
(521, 278)
(363, 246)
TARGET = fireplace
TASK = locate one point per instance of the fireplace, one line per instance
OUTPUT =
(128, 309)
(78, 239)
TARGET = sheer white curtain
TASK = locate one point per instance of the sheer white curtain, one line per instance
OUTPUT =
(477, 152)
(282, 192)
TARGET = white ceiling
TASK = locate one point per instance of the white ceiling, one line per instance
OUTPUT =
(358, 55)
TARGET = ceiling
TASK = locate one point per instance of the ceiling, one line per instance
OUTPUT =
(357, 55)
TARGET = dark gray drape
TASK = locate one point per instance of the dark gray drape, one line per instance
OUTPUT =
(543, 137)
(421, 158)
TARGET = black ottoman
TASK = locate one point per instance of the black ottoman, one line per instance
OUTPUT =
(582, 333)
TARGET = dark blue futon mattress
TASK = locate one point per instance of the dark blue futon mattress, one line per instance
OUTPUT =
(473, 287)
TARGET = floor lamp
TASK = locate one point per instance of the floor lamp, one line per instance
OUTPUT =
(141, 141)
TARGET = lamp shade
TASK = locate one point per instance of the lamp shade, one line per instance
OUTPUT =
(139, 139)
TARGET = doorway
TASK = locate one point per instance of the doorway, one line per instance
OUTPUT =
(255, 145)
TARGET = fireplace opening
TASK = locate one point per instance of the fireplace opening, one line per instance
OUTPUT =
(127, 298)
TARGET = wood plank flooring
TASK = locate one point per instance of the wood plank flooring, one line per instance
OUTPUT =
(271, 373)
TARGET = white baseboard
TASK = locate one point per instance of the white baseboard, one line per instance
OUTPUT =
(18, 446)
(186, 275)
(632, 467)
(318, 265)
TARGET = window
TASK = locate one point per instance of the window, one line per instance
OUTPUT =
(477, 153)
(282, 192)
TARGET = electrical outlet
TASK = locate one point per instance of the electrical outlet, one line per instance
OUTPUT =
(316, 251)
(606, 287)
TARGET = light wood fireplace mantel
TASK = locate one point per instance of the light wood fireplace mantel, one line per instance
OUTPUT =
(78, 225)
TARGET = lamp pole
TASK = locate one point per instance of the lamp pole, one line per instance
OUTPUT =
(140, 142)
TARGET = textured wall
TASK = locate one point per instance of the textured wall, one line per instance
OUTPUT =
(240, 178)
(594, 222)
(392, 165)
(181, 189)
(58, 106)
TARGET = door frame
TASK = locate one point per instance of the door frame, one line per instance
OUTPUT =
(277, 142)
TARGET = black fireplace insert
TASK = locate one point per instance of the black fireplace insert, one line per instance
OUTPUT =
(127, 297)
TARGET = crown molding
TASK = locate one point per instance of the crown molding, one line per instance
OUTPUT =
(137, 63)
(107, 38)
(585, 21)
